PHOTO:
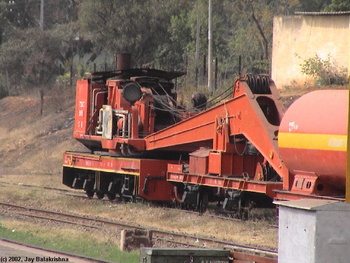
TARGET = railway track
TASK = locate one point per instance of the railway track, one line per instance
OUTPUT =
(48, 188)
(161, 238)
(222, 215)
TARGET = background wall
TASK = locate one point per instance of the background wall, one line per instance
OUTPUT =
(296, 38)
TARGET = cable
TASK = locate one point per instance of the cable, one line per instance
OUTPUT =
(179, 113)
(235, 144)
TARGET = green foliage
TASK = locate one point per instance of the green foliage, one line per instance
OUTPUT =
(158, 33)
(64, 79)
(28, 56)
(313, 5)
(22, 14)
(252, 38)
(338, 5)
(324, 71)
(82, 246)
(138, 27)
(31, 56)
(3, 92)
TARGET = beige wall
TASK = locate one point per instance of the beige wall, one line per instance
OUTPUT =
(296, 38)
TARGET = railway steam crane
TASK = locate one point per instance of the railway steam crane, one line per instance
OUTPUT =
(143, 145)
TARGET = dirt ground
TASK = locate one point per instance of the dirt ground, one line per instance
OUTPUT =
(31, 142)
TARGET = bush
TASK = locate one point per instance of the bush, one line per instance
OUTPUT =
(3, 92)
(324, 71)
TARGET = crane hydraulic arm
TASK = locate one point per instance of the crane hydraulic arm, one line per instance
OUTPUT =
(234, 135)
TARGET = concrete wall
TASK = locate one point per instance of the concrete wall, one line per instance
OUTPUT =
(296, 38)
(313, 230)
(296, 240)
(333, 237)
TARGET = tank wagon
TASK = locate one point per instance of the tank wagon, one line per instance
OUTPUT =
(245, 148)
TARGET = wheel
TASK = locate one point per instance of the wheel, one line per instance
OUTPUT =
(100, 195)
(90, 194)
(203, 202)
(111, 196)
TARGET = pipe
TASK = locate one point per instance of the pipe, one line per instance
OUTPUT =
(123, 61)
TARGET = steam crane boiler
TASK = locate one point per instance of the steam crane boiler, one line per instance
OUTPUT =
(143, 145)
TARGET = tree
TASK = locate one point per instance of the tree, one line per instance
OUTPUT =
(251, 35)
(23, 13)
(250, 28)
(183, 31)
(338, 5)
(3, 21)
(158, 33)
(313, 5)
(29, 55)
(32, 57)
(138, 27)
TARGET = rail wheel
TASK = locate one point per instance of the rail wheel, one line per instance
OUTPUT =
(111, 196)
(178, 197)
(90, 194)
(203, 202)
(100, 195)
